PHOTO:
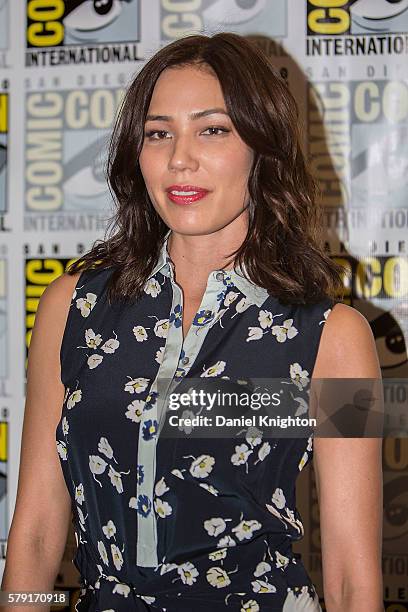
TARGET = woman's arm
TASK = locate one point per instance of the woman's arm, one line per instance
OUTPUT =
(349, 477)
(40, 524)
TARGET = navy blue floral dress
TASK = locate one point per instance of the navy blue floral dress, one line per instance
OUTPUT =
(181, 524)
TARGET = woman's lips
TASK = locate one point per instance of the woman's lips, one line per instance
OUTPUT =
(187, 199)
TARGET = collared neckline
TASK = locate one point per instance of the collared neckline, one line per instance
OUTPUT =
(253, 292)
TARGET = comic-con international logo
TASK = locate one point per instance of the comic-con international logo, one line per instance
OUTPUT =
(357, 27)
(81, 31)
(265, 17)
(66, 138)
(358, 144)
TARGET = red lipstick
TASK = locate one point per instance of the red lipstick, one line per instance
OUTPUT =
(185, 194)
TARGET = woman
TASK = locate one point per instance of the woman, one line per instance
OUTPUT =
(214, 269)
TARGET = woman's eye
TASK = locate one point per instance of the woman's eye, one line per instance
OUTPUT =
(217, 128)
(152, 133)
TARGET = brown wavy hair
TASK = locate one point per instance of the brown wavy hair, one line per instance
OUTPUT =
(283, 249)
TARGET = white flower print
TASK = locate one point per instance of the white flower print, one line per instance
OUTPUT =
(92, 340)
(202, 466)
(135, 410)
(79, 493)
(289, 519)
(121, 589)
(208, 487)
(263, 452)
(62, 450)
(136, 385)
(102, 552)
(253, 436)
(116, 556)
(218, 577)
(242, 452)
(250, 606)
(265, 319)
(177, 473)
(97, 465)
(255, 333)
(278, 498)
(74, 398)
(303, 461)
(109, 529)
(188, 573)
(245, 529)
(116, 479)
(161, 328)
(226, 541)
(293, 521)
(217, 555)
(152, 287)
(162, 508)
(133, 502)
(161, 488)
(167, 567)
(214, 370)
(215, 320)
(303, 405)
(230, 298)
(147, 599)
(325, 314)
(242, 305)
(81, 518)
(160, 355)
(94, 360)
(284, 331)
(140, 333)
(299, 376)
(302, 601)
(105, 448)
(65, 426)
(110, 345)
(309, 443)
(281, 560)
(86, 304)
(186, 414)
(262, 568)
(261, 586)
(215, 526)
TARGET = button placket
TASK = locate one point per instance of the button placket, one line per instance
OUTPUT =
(146, 546)
(147, 539)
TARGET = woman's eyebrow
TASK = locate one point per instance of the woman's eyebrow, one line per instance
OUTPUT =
(196, 115)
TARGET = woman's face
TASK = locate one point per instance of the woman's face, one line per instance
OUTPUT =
(180, 150)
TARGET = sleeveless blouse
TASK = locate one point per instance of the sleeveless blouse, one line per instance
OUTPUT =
(181, 524)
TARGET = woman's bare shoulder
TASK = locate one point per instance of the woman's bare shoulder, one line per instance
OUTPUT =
(55, 301)
(347, 347)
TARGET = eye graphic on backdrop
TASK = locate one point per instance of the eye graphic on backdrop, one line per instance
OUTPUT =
(373, 14)
(390, 341)
(92, 14)
(233, 11)
(396, 508)
(85, 181)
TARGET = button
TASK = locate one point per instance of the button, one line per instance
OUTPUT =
(185, 360)
(220, 276)
(208, 313)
